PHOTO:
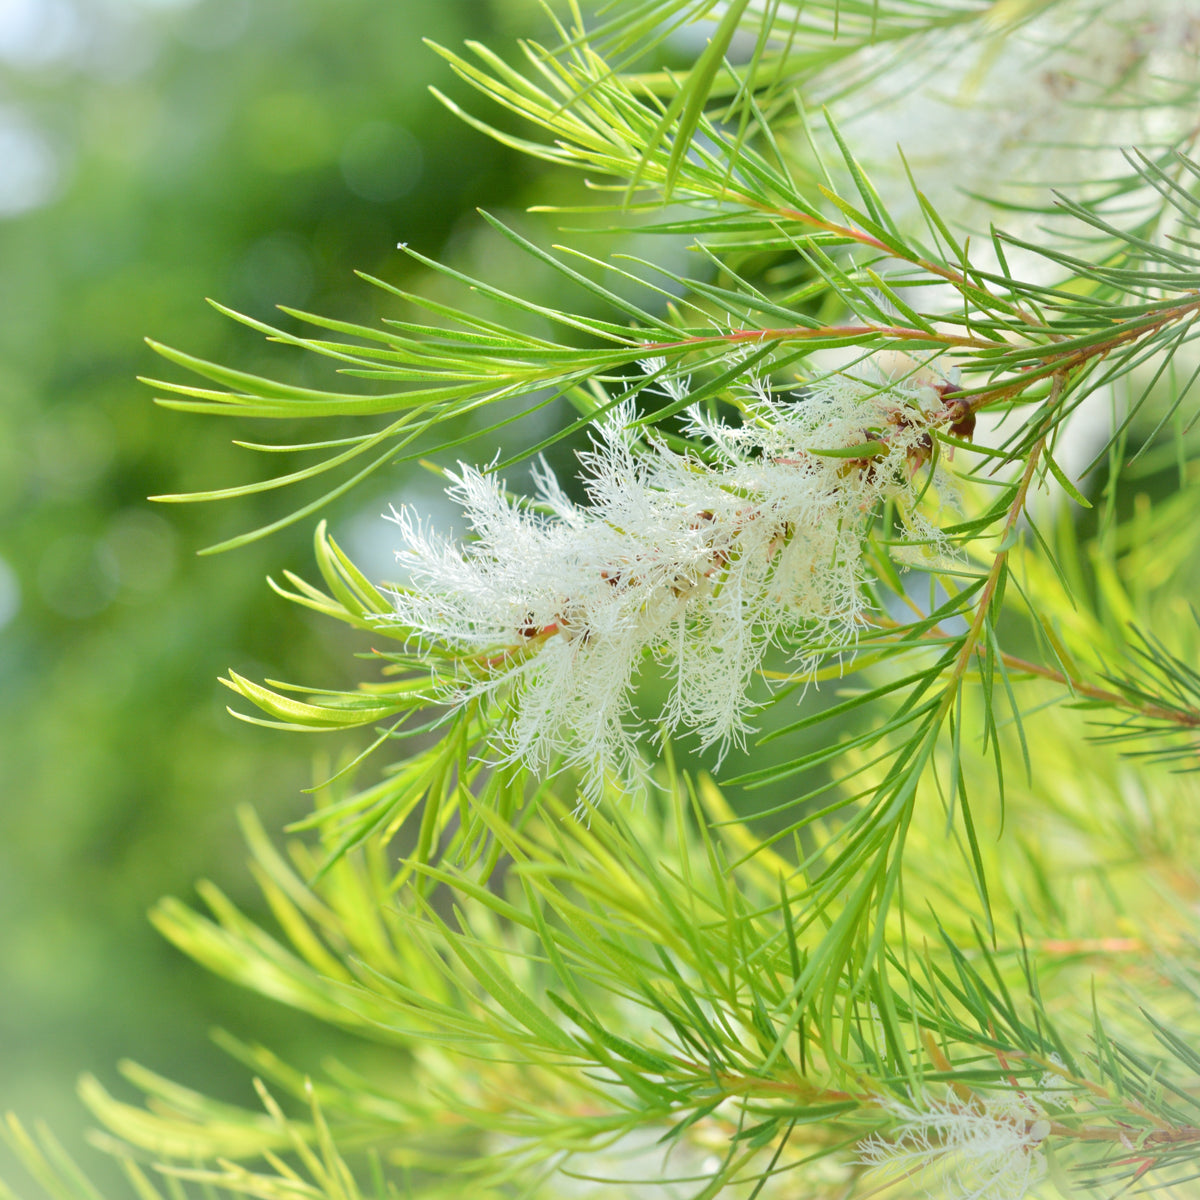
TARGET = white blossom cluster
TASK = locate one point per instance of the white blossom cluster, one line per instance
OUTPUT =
(700, 563)
(1051, 97)
(981, 1149)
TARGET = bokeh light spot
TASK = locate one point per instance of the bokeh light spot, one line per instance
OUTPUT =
(31, 170)
(381, 162)
(38, 33)
(289, 131)
(141, 547)
(10, 594)
(277, 269)
(77, 577)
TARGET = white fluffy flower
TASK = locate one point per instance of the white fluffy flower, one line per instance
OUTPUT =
(982, 1149)
(700, 564)
(1049, 97)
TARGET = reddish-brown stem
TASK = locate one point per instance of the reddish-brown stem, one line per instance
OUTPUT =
(1104, 1133)
(1185, 717)
(1060, 364)
(1164, 1135)
(743, 1085)
(951, 276)
(1014, 513)
(1104, 945)
(1057, 363)
(800, 332)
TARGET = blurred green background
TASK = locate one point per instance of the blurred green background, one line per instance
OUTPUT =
(153, 153)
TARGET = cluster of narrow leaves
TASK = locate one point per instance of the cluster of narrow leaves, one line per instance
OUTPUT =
(953, 947)
(625, 1003)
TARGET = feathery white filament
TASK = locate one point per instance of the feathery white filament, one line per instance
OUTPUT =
(1051, 97)
(700, 564)
(982, 1149)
